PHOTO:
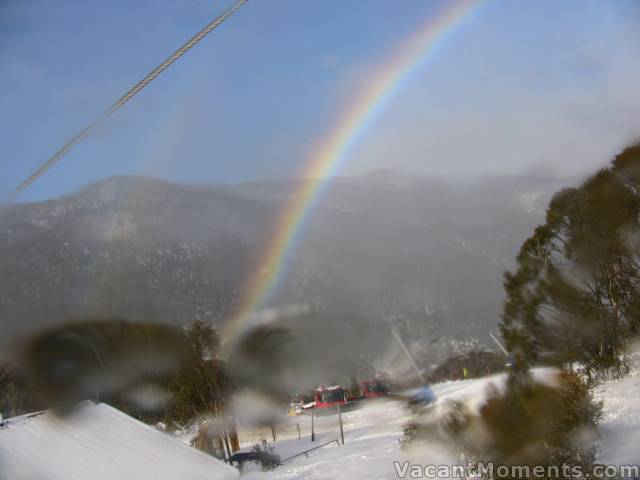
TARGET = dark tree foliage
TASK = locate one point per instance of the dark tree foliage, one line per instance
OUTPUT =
(530, 423)
(199, 387)
(151, 372)
(99, 359)
(575, 294)
(554, 423)
(16, 395)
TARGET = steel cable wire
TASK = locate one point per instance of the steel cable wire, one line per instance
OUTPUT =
(129, 95)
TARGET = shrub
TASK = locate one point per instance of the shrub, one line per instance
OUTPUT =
(529, 422)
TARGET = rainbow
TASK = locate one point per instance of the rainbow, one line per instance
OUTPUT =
(334, 150)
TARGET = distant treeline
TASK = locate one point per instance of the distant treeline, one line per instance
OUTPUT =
(474, 364)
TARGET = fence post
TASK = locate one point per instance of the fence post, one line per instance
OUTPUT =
(313, 432)
(340, 421)
(233, 435)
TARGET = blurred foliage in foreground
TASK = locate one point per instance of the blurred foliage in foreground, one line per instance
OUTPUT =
(574, 299)
(529, 422)
(575, 296)
(153, 372)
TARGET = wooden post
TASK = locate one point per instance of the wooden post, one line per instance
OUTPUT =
(340, 422)
(225, 437)
(313, 432)
(221, 448)
(233, 435)
(199, 443)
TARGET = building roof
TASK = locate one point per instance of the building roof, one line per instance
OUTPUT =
(101, 443)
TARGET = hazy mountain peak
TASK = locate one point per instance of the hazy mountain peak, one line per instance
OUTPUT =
(384, 244)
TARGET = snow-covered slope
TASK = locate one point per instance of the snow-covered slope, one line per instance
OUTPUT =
(620, 425)
(100, 443)
(372, 438)
(103, 443)
(373, 433)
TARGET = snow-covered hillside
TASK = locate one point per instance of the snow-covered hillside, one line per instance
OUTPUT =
(371, 445)
(379, 245)
(372, 438)
(100, 443)
(373, 433)
(620, 426)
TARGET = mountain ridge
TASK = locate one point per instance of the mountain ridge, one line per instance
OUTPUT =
(383, 245)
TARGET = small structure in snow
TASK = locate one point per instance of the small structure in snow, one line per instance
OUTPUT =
(374, 388)
(327, 397)
(101, 443)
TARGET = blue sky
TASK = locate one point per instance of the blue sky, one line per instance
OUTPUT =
(539, 87)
